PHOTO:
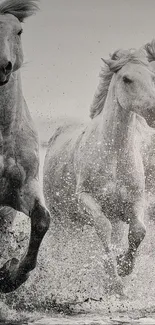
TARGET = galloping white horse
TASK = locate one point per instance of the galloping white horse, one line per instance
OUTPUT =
(97, 172)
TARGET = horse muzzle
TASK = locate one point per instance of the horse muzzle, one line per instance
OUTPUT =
(150, 119)
(2, 83)
(5, 72)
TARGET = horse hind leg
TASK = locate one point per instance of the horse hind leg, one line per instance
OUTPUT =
(126, 261)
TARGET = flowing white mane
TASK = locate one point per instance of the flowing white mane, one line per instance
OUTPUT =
(19, 8)
(119, 59)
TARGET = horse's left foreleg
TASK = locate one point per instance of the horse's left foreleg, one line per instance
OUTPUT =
(103, 228)
(15, 272)
(40, 220)
(136, 234)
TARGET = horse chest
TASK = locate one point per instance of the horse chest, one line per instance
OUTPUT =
(11, 168)
(12, 177)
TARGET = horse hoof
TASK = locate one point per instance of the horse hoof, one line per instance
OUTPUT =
(125, 264)
(116, 287)
(10, 278)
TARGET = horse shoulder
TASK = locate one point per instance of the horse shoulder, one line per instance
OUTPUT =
(27, 144)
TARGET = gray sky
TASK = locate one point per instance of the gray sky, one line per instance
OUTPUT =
(63, 46)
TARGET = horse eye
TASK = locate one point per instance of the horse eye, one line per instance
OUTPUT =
(153, 79)
(20, 32)
(127, 80)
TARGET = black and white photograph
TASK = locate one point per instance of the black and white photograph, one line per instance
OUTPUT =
(77, 162)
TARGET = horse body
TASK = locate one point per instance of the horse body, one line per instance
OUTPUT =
(99, 174)
(102, 162)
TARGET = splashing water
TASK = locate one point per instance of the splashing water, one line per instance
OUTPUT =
(71, 278)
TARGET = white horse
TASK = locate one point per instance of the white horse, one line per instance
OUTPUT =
(97, 173)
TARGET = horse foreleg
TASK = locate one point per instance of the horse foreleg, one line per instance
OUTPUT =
(40, 220)
(15, 272)
(103, 229)
(136, 234)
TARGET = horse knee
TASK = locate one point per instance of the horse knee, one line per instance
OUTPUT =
(44, 222)
(40, 218)
(136, 234)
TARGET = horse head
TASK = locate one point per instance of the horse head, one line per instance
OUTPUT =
(134, 83)
(12, 14)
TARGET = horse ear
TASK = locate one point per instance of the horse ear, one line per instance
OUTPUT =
(150, 50)
(108, 62)
(21, 20)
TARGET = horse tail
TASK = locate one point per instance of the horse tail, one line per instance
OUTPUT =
(54, 136)
(59, 129)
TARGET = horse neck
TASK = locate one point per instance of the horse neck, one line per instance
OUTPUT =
(117, 126)
(11, 102)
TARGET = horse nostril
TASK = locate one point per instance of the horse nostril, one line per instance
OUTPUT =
(8, 68)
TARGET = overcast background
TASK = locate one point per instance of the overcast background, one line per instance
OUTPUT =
(63, 46)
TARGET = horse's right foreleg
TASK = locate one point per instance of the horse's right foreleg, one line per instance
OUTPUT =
(103, 229)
